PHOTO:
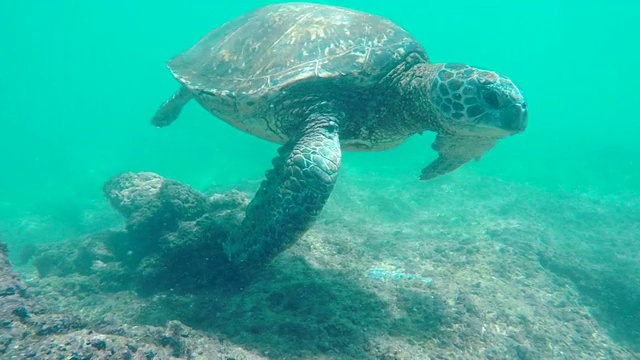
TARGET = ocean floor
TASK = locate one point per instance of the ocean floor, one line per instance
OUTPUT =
(465, 268)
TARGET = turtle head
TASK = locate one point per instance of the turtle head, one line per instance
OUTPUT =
(477, 102)
(474, 108)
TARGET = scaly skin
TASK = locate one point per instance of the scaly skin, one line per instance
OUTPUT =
(292, 195)
(170, 110)
(275, 83)
(472, 110)
(469, 108)
(474, 98)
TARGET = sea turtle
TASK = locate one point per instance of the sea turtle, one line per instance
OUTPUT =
(319, 80)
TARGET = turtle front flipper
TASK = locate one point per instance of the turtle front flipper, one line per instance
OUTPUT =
(291, 197)
(170, 110)
(455, 151)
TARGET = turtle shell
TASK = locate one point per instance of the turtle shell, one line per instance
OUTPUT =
(237, 68)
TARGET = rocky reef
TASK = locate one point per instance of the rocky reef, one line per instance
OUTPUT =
(33, 327)
(479, 275)
(170, 241)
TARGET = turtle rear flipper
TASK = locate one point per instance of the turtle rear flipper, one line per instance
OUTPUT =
(170, 110)
(455, 151)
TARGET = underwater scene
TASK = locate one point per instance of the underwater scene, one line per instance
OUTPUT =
(341, 179)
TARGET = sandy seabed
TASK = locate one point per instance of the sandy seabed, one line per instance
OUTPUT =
(465, 268)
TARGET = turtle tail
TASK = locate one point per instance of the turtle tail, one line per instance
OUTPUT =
(170, 110)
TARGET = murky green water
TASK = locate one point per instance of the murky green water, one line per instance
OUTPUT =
(81, 80)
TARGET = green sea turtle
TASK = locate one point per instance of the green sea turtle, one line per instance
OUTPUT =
(319, 80)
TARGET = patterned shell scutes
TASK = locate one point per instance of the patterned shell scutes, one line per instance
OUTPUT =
(277, 45)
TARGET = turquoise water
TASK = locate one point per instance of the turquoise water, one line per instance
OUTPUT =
(82, 79)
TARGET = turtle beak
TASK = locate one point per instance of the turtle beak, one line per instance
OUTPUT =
(514, 118)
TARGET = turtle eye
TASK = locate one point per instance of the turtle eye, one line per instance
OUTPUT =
(491, 98)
